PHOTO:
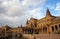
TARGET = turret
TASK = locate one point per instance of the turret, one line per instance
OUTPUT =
(48, 13)
(21, 26)
(27, 24)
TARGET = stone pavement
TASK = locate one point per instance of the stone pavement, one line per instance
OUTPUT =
(44, 36)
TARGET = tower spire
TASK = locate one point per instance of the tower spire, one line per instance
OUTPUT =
(21, 25)
(27, 22)
(48, 13)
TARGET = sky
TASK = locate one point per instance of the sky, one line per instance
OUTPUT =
(17, 12)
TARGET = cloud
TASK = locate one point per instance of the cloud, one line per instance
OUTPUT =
(51, 7)
(16, 12)
(12, 21)
(57, 6)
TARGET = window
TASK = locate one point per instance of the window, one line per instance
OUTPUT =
(52, 28)
(35, 26)
(59, 25)
(56, 27)
(45, 29)
(30, 31)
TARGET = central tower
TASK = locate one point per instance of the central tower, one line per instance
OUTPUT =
(48, 13)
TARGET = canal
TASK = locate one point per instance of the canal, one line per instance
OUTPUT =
(12, 36)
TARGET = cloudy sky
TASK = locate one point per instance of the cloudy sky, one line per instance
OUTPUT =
(16, 12)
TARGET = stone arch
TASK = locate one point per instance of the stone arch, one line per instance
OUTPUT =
(52, 28)
(56, 28)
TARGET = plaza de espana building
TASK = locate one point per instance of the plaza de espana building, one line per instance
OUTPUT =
(47, 25)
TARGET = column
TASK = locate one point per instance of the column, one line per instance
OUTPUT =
(42, 30)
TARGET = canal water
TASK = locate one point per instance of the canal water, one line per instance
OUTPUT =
(14, 36)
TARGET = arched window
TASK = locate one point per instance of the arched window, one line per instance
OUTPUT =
(59, 25)
(45, 29)
(56, 27)
(35, 25)
(52, 28)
